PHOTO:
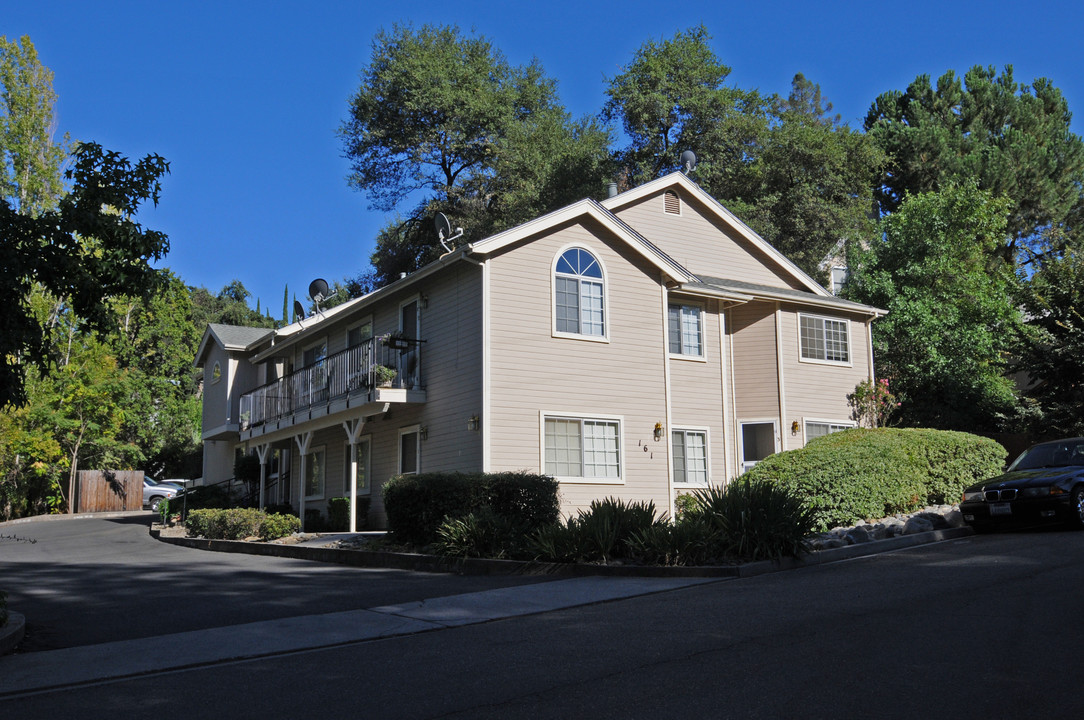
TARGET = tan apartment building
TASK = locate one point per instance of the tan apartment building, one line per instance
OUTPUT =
(636, 347)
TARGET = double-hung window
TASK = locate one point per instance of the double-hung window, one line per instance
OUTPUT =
(823, 339)
(686, 330)
(690, 448)
(578, 294)
(583, 448)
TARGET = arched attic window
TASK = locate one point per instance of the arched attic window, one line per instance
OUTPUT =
(579, 294)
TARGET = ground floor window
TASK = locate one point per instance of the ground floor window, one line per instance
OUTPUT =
(583, 448)
(690, 449)
(315, 470)
(820, 428)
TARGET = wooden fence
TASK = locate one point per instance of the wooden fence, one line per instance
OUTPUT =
(109, 490)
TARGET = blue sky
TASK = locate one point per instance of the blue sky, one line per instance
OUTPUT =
(244, 98)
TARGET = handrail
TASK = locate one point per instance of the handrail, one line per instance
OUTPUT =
(345, 372)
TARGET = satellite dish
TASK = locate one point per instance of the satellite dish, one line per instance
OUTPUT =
(688, 161)
(444, 231)
(318, 290)
(299, 310)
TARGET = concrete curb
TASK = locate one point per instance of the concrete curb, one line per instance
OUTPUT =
(482, 566)
(12, 633)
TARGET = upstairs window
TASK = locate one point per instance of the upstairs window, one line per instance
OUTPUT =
(823, 339)
(578, 294)
(686, 330)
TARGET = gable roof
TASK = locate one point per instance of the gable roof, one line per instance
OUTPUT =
(577, 211)
(238, 338)
(679, 179)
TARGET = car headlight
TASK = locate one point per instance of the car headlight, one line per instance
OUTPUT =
(1032, 492)
(973, 495)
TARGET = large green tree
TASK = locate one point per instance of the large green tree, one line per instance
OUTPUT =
(811, 186)
(673, 97)
(1051, 354)
(952, 315)
(1009, 138)
(786, 166)
(442, 122)
(86, 251)
(30, 161)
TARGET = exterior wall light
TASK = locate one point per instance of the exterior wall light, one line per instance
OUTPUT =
(658, 432)
(795, 427)
(423, 432)
(472, 423)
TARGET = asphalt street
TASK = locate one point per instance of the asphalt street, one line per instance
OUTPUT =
(983, 627)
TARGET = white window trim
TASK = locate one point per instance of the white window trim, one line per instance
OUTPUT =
(605, 336)
(707, 454)
(821, 421)
(777, 438)
(560, 415)
(323, 484)
(814, 361)
(703, 356)
(399, 448)
(365, 467)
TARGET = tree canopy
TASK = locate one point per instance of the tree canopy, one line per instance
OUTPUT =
(444, 122)
(1011, 139)
(786, 166)
(952, 315)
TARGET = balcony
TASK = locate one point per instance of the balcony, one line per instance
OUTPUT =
(369, 373)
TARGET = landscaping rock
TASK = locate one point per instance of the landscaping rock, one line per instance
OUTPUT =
(935, 517)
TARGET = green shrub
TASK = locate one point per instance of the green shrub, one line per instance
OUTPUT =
(687, 541)
(418, 505)
(275, 526)
(239, 523)
(599, 534)
(163, 510)
(864, 474)
(338, 513)
(683, 503)
(481, 534)
(753, 519)
(314, 520)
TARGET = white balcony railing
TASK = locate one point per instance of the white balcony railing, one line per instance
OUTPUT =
(357, 369)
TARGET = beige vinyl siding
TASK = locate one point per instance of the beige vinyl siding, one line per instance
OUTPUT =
(818, 391)
(215, 392)
(532, 372)
(756, 380)
(696, 389)
(702, 243)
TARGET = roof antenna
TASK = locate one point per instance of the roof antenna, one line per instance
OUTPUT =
(444, 231)
(688, 161)
(318, 291)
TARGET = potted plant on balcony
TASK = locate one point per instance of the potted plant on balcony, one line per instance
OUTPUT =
(383, 375)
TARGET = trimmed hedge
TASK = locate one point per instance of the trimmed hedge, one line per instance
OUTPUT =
(863, 474)
(240, 523)
(417, 505)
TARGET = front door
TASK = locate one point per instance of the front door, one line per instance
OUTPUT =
(758, 441)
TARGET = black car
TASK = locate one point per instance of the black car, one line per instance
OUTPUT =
(1045, 483)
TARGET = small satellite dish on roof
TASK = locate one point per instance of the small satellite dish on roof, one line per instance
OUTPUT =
(299, 310)
(688, 161)
(444, 231)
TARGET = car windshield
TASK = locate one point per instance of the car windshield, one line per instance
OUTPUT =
(1060, 453)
